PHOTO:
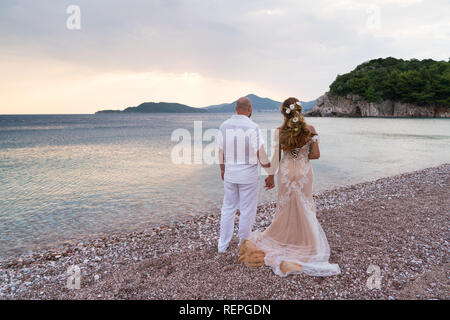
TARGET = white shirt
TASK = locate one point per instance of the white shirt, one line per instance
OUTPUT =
(240, 139)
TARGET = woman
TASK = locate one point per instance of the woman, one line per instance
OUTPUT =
(294, 242)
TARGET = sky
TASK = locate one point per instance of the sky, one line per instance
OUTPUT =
(80, 56)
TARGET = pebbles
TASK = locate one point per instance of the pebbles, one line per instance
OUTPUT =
(399, 224)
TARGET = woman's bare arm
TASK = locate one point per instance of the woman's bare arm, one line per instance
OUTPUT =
(270, 181)
(277, 153)
(315, 151)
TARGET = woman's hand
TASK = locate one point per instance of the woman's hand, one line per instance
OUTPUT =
(270, 182)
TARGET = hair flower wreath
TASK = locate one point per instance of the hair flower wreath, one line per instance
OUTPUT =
(295, 120)
(292, 107)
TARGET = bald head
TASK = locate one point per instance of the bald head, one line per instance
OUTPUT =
(244, 106)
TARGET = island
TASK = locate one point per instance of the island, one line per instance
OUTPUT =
(157, 107)
(389, 87)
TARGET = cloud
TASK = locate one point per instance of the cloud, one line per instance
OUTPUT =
(60, 87)
(291, 47)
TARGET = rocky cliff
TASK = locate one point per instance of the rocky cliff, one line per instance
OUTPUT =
(354, 106)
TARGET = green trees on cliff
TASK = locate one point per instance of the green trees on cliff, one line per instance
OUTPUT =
(422, 82)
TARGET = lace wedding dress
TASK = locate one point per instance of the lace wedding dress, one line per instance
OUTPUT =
(294, 242)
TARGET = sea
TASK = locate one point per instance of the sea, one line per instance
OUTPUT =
(65, 177)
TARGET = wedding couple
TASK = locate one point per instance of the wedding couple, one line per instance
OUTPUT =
(294, 242)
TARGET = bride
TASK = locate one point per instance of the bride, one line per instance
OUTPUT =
(294, 242)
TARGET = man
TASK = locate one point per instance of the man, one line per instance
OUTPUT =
(241, 147)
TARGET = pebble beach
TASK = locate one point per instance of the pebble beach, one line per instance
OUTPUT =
(399, 225)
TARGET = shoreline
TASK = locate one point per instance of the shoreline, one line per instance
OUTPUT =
(399, 223)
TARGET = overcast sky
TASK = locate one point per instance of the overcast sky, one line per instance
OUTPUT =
(200, 52)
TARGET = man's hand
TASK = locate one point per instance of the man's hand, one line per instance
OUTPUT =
(222, 163)
(270, 182)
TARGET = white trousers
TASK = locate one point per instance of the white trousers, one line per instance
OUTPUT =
(237, 196)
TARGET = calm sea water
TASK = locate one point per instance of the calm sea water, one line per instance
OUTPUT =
(67, 176)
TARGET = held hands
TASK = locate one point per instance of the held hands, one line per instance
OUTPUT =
(270, 182)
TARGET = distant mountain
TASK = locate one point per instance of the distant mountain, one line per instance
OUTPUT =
(157, 107)
(308, 105)
(258, 104)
